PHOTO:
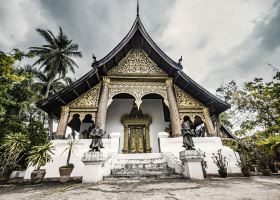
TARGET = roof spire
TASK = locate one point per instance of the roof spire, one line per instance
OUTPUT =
(137, 8)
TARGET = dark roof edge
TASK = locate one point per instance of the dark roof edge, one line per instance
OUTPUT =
(137, 25)
(228, 132)
(72, 86)
(202, 89)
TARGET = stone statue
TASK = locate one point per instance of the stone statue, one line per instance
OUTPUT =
(96, 136)
(187, 135)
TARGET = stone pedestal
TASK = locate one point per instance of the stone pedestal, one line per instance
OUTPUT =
(93, 171)
(192, 164)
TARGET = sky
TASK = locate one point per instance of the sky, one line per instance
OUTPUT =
(219, 40)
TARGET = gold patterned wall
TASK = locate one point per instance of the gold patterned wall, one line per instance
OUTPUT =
(137, 89)
(87, 100)
(85, 104)
(137, 62)
(188, 106)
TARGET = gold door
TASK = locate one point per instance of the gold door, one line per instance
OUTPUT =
(136, 139)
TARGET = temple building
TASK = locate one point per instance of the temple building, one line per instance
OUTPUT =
(136, 90)
(139, 96)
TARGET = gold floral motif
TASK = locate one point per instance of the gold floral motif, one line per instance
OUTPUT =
(185, 100)
(82, 115)
(87, 100)
(137, 89)
(192, 115)
(136, 62)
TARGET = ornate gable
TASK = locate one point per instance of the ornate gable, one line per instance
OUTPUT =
(87, 100)
(137, 62)
(186, 101)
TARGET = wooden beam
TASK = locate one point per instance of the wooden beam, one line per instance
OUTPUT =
(88, 84)
(75, 92)
(124, 49)
(115, 60)
(104, 69)
(150, 50)
(98, 77)
(197, 95)
(61, 100)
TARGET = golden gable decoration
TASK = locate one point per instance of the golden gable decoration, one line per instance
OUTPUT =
(136, 62)
(184, 100)
(87, 100)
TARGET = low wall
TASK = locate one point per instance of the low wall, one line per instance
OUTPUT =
(209, 145)
(59, 159)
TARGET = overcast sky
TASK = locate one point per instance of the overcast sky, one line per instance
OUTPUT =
(219, 40)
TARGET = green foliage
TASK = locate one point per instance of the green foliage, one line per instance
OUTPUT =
(38, 135)
(10, 126)
(71, 149)
(233, 144)
(40, 155)
(55, 57)
(12, 151)
(255, 108)
(220, 160)
(204, 162)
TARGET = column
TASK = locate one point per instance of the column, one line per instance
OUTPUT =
(62, 122)
(50, 123)
(218, 126)
(125, 139)
(173, 108)
(103, 101)
(147, 136)
(208, 122)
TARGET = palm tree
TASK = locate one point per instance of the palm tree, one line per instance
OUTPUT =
(55, 57)
(47, 84)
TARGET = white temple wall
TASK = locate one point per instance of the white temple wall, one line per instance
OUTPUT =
(116, 110)
(153, 107)
(120, 107)
(208, 145)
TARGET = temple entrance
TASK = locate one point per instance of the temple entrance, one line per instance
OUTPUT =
(136, 131)
(124, 116)
(136, 137)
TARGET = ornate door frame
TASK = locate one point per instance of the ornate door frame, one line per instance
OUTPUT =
(145, 121)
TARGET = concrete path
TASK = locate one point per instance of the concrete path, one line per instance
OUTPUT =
(261, 188)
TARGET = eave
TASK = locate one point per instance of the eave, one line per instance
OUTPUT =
(137, 37)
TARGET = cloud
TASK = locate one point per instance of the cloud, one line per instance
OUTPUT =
(219, 40)
(224, 40)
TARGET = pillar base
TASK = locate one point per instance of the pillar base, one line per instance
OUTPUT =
(93, 171)
(192, 164)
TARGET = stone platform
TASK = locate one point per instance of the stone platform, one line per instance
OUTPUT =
(142, 165)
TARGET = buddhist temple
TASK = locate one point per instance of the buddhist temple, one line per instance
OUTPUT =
(139, 97)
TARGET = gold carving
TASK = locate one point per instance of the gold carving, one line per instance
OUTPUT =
(82, 115)
(106, 80)
(136, 62)
(192, 115)
(64, 110)
(185, 100)
(136, 131)
(87, 100)
(169, 81)
(137, 89)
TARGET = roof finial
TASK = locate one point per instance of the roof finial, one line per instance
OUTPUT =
(137, 8)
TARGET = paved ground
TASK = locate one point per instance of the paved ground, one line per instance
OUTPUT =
(214, 188)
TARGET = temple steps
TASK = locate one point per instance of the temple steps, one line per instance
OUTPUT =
(141, 165)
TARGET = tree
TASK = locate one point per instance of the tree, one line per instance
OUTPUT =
(55, 57)
(255, 107)
(44, 79)
(8, 78)
(12, 151)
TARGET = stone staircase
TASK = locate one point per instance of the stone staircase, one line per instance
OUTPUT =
(152, 165)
